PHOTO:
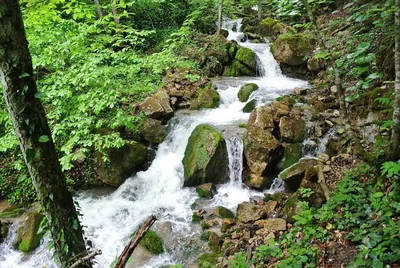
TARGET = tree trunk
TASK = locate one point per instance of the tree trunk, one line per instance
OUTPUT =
(396, 107)
(259, 11)
(221, 3)
(34, 137)
(99, 9)
(115, 13)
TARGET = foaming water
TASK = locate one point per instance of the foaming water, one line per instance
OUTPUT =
(110, 220)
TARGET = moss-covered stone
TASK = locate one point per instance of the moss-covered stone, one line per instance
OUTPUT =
(205, 190)
(292, 129)
(207, 98)
(157, 106)
(271, 28)
(246, 90)
(122, 163)
(28, 236)
(278, 197)
(291, 154)
(210, 258)
(295, 174)
(196, 217)
(224, 213)
(206, 157)
(152, 242)
(153, 131)
(250, 106)
(261, 119)
(238, 69)
(247, 57)
(204, 225)
(291, 49)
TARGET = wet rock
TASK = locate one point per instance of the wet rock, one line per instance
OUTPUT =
(247, 57)
(275, 224)
(246, 90)
(214, 239)
(224, 213)
(153, 131)
(139, 257)
(197, 216)
(323, 158)
(261, 118)
(207, 98)
(292, 153)
(206, 157)
(272, 28)
(227, 224)
(300, 91)
(250, 106)
(247, 212)
(205, 190)
(294, 175)
(28, 238)
(152, 242)
(3, 231)
(292, 48)
(261, 149)
(292, 129)
(157, 106)
(122, 163)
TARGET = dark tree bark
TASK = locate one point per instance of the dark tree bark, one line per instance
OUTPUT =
(396, 107)
(220, 6)
(115, 13)
(34, 137)
(99, 9)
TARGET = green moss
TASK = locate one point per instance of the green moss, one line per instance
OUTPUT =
(205, 235)
(208, 98)
(238, 69)
(27, 235)
(196, 217)
(275, 197)
(247, 57)
(292, 154)
(152, 242)
(224, 213)
(12, 213)
(242, 125)
(249, 107)
(246, 90)
(204, 225)
(209, 259)
(270, 27)
(203, 193)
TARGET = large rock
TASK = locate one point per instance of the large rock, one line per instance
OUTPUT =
(207, 98)
(272, 28)
(247, 212)
(238, 69)
(153, 131)
(28, 238)
(206, 157)
(246, 90)
(291, 154)
(291, 49)
(157, 106)
(205, 190)
(261, 119)
(294, 175)
(247, 57)
(122, 163)
(275, 225)
(260, 149)
(292, 129)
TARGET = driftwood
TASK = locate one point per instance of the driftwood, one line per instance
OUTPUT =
(91, 255)
(128, 250)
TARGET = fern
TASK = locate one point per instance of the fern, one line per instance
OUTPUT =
(390, 169)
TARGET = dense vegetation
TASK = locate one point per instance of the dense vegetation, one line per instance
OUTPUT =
(93, 68)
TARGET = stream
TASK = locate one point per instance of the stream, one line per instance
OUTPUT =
(110, 219)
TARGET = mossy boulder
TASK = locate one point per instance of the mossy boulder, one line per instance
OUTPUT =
(247, 57)
(152, 242)
(3, 231)
(224, 213)
(292, 129)
(261, 118)
(238, 69)
(246, 90)
(207, 98)
(247, 212)
(153, 131)
(294, 175)
(250, 106)
(272, 28)
(28, 238)
(291, 154)
(291, 49)
(157, 106)
(122, 163)
(206, 157)
(205, 190)
(261, 149)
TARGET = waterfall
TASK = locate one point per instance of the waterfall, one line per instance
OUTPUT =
(111, 219)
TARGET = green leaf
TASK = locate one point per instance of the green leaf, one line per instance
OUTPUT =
(51, 196)
(23, 75)
(44, 138)
(377, 195)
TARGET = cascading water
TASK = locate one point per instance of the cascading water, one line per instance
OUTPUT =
(111, 219)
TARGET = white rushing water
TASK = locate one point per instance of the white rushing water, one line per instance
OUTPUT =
(110, 220)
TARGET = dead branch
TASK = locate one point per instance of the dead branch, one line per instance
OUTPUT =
(91, 255)
(128, 250)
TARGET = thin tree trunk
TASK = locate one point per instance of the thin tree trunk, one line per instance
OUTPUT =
(128, 250)
(115, 13)
(34, 137)
(221, 3)
(259, 11)
(99, 9)
(396, 107)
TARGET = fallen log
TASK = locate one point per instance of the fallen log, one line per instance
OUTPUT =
(128, 250)
(88, 257)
